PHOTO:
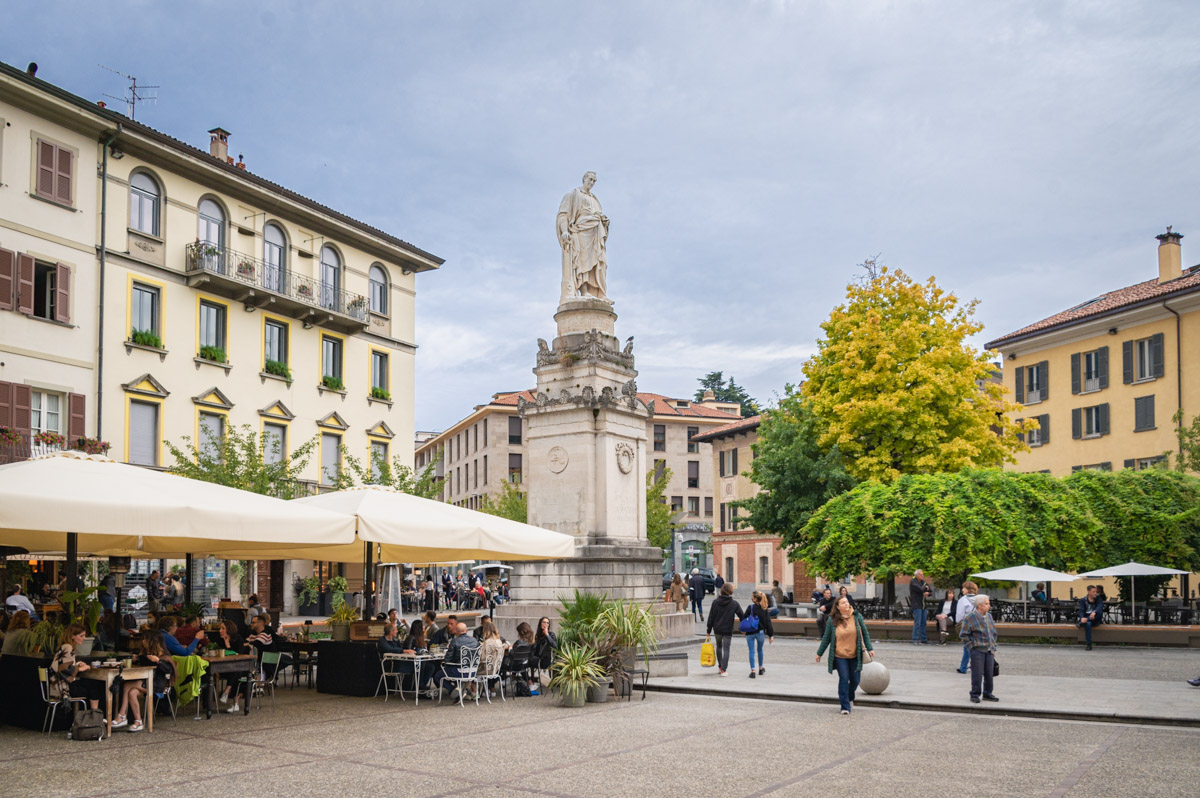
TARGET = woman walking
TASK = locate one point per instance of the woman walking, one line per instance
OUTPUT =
(677, 594)
(847, 633)
(754, 636)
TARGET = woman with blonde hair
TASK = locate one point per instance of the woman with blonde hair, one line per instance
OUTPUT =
(756, 624)
(491, 654)
(847, 633)
(14, 638)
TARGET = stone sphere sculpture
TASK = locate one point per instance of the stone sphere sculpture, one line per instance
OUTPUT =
(874, 678)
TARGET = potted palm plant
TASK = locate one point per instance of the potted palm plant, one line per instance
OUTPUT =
(576, 669)
(620, 630)
(339, 621)
(43, 639)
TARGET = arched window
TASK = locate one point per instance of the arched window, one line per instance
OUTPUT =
(331, 277)
(378, 282)
(274, 257)
(144, 197)
(212, 233)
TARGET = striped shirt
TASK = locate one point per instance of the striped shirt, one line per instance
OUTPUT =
(979, 631)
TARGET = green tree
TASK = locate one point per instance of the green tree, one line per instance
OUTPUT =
(237, 460)
(658, 512)
(897, 388)
(1188, 456)
(726, 391)
(796, 475)
(512, 503)
(376, 470)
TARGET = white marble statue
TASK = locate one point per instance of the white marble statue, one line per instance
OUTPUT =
(582, 232)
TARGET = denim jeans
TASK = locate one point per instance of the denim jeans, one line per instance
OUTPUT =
(966, 658)
(848, 673)
(698, 607)
(982, 665)
(723, 642)
(1088, 625)
(755, 641)
(920, 617)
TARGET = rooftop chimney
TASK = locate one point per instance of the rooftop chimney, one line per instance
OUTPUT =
(31, 70)
(1170, 260)
(218, 145)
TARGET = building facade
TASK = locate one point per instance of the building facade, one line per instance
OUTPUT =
(152, 291)
(1104, 378)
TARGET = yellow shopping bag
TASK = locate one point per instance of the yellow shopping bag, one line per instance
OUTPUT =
(708, 653)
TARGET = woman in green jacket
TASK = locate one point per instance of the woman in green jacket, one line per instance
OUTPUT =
(847, 633)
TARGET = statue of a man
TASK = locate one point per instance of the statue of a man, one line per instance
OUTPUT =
(582, 232)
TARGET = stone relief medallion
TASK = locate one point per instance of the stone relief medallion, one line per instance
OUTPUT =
(557, 459)
(625, 455)
(729, 489)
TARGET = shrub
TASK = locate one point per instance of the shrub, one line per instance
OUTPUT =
(146, 338)
(278, 368)
(333, 383)
(213, 353)
(381, 393)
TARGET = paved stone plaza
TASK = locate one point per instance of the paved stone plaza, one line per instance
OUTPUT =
(312, 745)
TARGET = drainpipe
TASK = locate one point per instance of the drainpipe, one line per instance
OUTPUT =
(1178, 373)
(103, 256)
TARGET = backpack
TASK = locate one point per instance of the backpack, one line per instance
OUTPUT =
(521, 689)
(87, 725)
(749, 624)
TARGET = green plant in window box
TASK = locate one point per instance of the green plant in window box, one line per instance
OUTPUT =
(9, 437)
(50, 439)
(245, 269)
(92, 446)
(357, 305)
(146, 338)
(381, 393)
(278, 368)
(213, 353)
(333, 383)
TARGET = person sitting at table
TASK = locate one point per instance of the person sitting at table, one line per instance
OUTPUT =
(442, 636)
(154, 654)
(946, 616)
(521, 651)
(167, 627)
(393, 616)
(390, 643)
(16, 602)
(451, 665)
(544, 644)
(187, 633)
(491, 655)
(111, 635)
(227, 639)
(263, 641)
(64, 670)
(132, 692)
(253, 608)
(16, 635)
(1040, 593)
(414, 643)
(1091, 612)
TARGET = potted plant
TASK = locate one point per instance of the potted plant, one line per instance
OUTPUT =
(92, 446)
(576, 669)
(9, 437)
(146, 338)
(381, 393)
(357, 305)
(50, 439)
(43, 639)
(80, 607)
(308, 595)
(620, 629)
(214, 353)
(339, 621)
(337, 590)
(245, 269)
(304, 290)
(333, 383)
(279, 369)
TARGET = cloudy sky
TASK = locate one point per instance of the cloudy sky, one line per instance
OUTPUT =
(749, 153)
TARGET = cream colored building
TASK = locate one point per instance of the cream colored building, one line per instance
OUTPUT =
(1105, 377)
(159, 290)
(478, 454)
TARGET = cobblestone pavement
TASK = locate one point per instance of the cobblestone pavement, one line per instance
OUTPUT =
(317, 745)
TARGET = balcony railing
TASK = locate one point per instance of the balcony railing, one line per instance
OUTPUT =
(1091, 384)
(1033, 395)
(249, 272)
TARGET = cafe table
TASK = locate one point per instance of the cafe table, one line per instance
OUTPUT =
(226, 665)
(417, 663)
(108, 673)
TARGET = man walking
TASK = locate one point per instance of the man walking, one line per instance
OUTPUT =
(696, 590)
(918, 589)
(721, 615)
(979, 634)
(1091, 612)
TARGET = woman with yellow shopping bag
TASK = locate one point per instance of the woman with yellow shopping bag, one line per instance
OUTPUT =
(708, 653)
(721, 616)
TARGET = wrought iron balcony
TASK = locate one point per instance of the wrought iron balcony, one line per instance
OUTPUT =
(258, 284)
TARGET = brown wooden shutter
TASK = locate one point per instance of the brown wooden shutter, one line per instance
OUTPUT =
(1044, 424)
(1102, 366)
(1156, 354)
(22, 399)
(8, 278)
(63, 170)
(6, 408)
(1076, 423)
(76, 404)
(62, 291)
(1075, 376)
(46, 172)
(1020, 384)
(1127, 362)
(25, 271)
(1044, 378)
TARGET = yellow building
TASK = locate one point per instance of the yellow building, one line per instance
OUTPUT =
(151, 290)
(1105, 377)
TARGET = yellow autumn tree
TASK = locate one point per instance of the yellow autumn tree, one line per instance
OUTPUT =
(897, 388)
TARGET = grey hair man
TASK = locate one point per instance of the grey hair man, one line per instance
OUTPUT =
(979, 633)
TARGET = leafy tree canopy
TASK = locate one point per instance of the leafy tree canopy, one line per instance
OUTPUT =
(895, 386)
(795, 474)
(512, 503)
(658, 512)
(726, 391)
(951, 525)
(378, 471)
(239, 459)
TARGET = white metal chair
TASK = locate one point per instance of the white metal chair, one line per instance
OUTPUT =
(489, 672)
(389, 676)
(468, 673)
(52, 704)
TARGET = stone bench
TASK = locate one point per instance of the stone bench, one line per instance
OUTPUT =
(798, 610)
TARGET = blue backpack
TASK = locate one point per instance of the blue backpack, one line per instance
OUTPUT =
(749, 624)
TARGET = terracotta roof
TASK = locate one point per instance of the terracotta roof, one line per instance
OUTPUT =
(1105, 304)
(744, 425)
(137, 127)
(663, 405)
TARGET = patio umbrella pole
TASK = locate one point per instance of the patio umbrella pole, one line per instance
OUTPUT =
(73, 561)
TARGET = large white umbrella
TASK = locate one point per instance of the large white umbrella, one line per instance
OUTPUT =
(1025, 573)
(411, 529)
(1133, 570)
(119, 509)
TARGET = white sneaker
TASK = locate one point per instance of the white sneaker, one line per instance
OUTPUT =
(119, 722)
(845, 712)
(233, 710)
(223, 699)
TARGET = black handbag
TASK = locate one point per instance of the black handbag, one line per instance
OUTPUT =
(995, 667)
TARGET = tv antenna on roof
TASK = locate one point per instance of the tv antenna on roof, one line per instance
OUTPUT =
(134, 94)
